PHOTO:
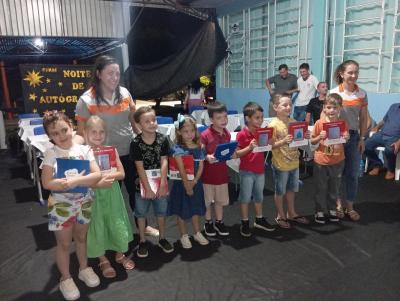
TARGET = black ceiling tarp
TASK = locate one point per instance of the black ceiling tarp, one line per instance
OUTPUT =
(168, 50)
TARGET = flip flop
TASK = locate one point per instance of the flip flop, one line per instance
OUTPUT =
(127, 263)
(300, 219)
(283, 223)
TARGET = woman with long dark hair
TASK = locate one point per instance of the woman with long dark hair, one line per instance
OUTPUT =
(355, 106)
(114, 104)
(194, 96)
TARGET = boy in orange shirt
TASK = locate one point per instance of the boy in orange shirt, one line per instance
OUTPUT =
(328, 162)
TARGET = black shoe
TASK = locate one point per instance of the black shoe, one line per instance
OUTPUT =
(165, 245)
(261, 223)
(333, 216)
(220, 228)
(245, 229)
(209, 229)
(142, 251)
(319, 218)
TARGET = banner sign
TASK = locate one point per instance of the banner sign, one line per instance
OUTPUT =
(54, 87)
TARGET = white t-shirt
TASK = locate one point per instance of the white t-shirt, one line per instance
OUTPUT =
(307, 89)
(77, 152)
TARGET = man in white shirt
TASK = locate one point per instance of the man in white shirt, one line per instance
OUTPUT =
(307, 86)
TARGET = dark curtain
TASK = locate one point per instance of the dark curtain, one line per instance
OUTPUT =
(169, 50)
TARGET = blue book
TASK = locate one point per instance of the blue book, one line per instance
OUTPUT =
(68, 168)
(224, 151)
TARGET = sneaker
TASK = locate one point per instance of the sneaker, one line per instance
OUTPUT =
(165, 246)
(200, 239)
(142, 251)
(89, 277)
(209, 229)
(245, 229)
(150, 231)
(185, 242)
(261, 223)
(333, 216)
(319, 218)
(219, 226)
(69, 289)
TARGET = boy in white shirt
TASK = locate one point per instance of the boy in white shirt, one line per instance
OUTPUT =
(307, 87)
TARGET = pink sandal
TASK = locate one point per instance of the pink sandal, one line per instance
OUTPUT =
(127, 263)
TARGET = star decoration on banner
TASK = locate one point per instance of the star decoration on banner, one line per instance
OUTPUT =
(44, 90)
(32, 96)
(34, 110)
(60, 84)
(48, 80)
(34, 78)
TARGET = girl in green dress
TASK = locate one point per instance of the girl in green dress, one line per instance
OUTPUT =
(110, 228)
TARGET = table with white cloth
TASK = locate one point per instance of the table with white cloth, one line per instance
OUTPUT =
(235, 121)
(199, 115)
(169, 130)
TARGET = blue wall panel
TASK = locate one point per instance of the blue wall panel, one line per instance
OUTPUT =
(236, 98)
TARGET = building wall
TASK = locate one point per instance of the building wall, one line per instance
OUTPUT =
(322, 33)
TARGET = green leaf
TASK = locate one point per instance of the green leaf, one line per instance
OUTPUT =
(61, 212)
(62, 205)
(86, 205)
(86, 214)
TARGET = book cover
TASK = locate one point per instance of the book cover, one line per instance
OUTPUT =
(334, 132)
(154, 178)
(263, 137)
(224, 151)
(298, 130)
(67, 168)
(188, 163)
(106, 158)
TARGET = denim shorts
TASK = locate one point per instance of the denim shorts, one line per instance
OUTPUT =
(251, 187)
(142, 206)
(285, 180)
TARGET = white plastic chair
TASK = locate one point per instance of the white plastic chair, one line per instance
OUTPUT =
(381, 151)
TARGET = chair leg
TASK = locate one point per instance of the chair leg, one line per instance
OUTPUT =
(397, 168)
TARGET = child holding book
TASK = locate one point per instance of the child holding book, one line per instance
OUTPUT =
(149, 150)
(215, 174)
(187, 196)
(285, 163)
(69, 212)
(251, 170)
(328, 161)
(110, 228)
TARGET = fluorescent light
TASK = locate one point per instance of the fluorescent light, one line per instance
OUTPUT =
(38, 42)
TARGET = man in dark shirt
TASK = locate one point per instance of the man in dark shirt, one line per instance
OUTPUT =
(314, 108)
(284, 82)
(387, 134)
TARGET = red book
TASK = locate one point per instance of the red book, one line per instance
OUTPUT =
(188, 163)
(154, 178)
(334, 132)
(263, 136)
(298, 130)
(106, 158)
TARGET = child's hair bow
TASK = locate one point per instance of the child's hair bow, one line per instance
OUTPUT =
(179, 121)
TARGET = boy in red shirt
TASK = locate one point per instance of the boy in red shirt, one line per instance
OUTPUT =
(215, 174)
(251, 168)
